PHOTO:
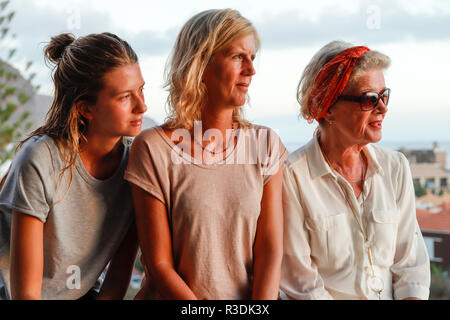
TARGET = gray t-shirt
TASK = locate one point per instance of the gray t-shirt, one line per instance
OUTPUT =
(83, 226)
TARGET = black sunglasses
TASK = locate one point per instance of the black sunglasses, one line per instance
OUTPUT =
(369, 100)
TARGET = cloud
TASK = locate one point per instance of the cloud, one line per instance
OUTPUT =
(372, 22)
(35, 25)
(368, 25)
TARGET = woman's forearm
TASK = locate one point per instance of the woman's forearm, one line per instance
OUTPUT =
(266, 275)
(169, 284)
(27, 257)
(119, 272)
(268, 247)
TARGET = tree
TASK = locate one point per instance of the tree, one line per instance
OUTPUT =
(419, 190)
(13, 120)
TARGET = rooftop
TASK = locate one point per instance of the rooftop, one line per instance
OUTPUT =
(434, 221)
(428, 170)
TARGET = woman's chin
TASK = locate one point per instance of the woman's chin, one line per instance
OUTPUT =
(375, 138)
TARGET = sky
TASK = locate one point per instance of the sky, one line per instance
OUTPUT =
(414, 34)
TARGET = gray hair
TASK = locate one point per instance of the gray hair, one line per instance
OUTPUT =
(370, 60)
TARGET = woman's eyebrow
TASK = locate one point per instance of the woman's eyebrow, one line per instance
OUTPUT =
(115, 93)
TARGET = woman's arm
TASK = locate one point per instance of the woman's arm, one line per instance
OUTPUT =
(411, 268)
(300, 277)
(156, 246)
(268, 248)
(27, 257)
(119, 272)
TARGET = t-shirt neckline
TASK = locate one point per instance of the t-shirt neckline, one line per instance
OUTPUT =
(98, 182)
(193, 161)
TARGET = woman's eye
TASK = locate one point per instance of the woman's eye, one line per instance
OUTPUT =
(125, 97)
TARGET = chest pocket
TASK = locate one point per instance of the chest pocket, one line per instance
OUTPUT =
(384, 234)
(331, 241)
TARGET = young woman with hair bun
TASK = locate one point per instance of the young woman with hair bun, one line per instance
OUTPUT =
(65, 209)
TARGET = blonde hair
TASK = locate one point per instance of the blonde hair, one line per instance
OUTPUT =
(371, 59)
(202, 35)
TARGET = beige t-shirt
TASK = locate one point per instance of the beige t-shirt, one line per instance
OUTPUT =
(213, 209)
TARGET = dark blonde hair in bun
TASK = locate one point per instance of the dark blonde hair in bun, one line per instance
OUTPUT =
(79, 65)
(58, 44)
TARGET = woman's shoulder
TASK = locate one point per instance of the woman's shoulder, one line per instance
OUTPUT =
(152, 136)
(263, 133)
(260, 128)
(298, 158)
(39, 149)
(149, 134)
(388, 158)
(155, 140)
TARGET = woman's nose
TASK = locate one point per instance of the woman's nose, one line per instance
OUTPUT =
(249, 68)
(140, 107)
(381, 106)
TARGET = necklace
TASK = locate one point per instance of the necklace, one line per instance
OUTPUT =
(212, 151)
(374, 282)
(363, 169)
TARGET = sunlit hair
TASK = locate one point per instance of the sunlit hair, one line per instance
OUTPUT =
(200, 38)
(79, 66)
(370, 60)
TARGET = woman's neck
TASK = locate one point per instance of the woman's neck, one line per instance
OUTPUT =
(220, 120)
(341, 155)
(101, 156)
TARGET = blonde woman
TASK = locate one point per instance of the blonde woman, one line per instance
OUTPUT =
(350, 221)
(209, 218)
(64, 203)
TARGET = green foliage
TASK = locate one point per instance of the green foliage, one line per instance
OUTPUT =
(419, 190)
(13, 120)
(440, 283)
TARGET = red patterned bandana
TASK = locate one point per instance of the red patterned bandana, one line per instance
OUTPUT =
(331, 81)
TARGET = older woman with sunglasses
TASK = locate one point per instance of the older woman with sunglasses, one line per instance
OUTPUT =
(350, 229)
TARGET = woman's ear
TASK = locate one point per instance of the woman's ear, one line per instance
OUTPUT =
(329, 116)
(84, 109)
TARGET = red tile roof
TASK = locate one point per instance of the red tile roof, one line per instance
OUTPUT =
(433, 221)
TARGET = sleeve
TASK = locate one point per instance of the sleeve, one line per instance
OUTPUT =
(411, 268)
(28, 186)
(300, 278)
(145, 170)
(276, 153)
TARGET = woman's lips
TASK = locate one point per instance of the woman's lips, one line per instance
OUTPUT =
(376, 124)
(136, 123)
(243, 86)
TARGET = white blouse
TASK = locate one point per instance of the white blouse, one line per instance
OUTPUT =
(329, 234)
